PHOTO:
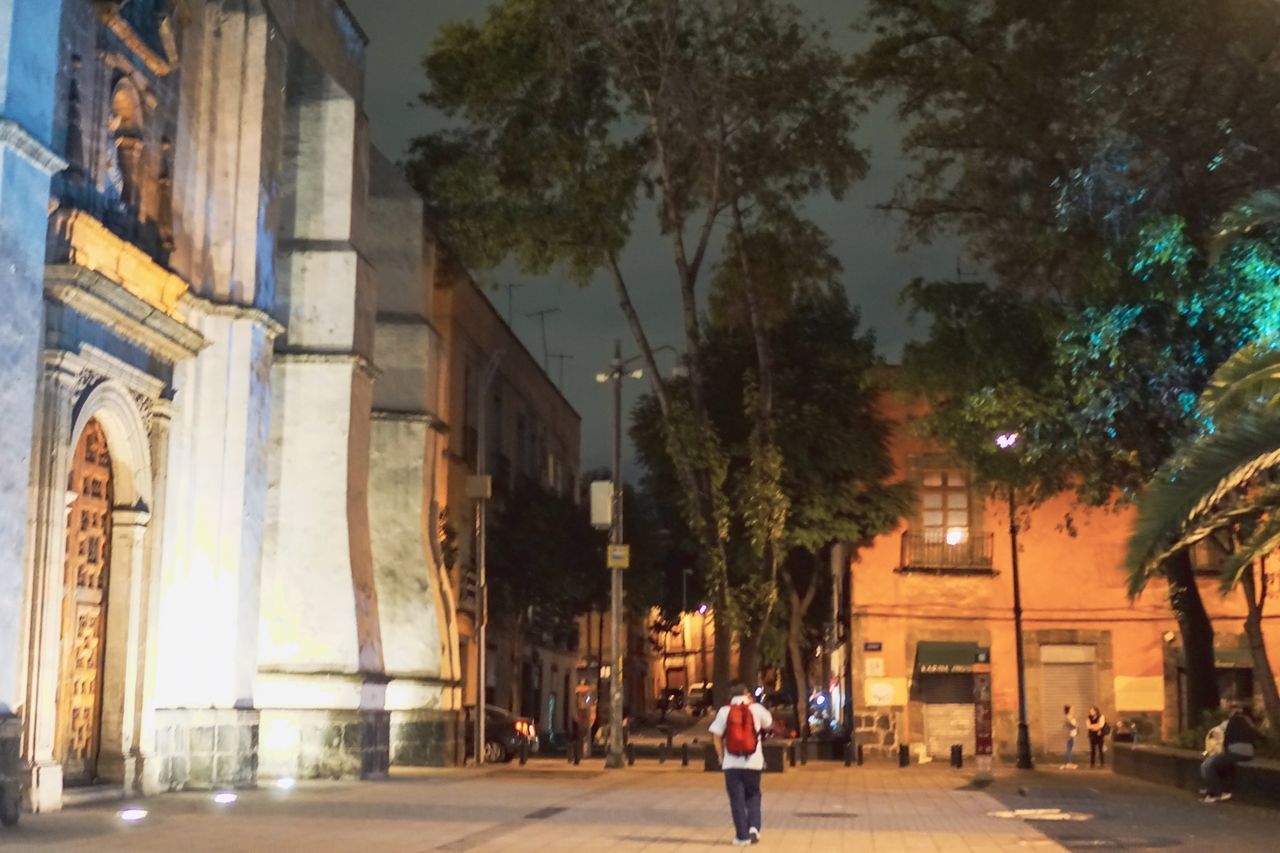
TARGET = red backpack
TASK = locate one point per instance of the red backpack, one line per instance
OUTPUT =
(740, 735)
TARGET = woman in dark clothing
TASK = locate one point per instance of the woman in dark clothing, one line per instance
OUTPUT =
(1097, 725)
(1237, 746)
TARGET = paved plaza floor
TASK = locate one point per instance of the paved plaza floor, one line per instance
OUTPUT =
(549, 806)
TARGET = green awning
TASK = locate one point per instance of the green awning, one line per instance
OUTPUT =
(1224, 658)
(935, 658)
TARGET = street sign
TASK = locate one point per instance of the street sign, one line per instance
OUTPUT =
(619, 557)
(602, 504)
(871, 647)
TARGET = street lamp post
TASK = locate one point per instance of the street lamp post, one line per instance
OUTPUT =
(618, 370)
(1008, 441)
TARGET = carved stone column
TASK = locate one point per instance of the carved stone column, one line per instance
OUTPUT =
(124, 627)
(61, 383)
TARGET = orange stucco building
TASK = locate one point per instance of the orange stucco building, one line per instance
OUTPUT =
(932, 604)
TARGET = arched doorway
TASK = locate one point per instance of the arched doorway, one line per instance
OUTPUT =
(86, 577)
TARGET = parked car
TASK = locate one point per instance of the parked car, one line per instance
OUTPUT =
(504, 734)
(699, 698)
(672, 699)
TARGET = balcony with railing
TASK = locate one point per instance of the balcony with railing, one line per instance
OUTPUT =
(949, 553)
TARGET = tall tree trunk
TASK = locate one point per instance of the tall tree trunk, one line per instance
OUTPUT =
(720, 663)
(799, 670)
(1197, 637)
(1264, 678)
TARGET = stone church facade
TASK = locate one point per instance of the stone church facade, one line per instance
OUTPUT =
(217, 549)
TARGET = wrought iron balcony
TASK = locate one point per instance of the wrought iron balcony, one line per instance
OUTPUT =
(933, 553)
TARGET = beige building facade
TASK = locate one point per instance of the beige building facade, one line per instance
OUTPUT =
(226, 566)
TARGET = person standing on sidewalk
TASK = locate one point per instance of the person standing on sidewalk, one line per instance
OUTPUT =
(738, 732)
(1098, 731)
(1069, 732)
(584, 717)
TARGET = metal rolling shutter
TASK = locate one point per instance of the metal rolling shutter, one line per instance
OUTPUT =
(1069, 676)
(948, 712)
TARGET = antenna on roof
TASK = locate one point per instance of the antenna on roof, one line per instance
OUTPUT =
(542, 316)
(511, 287)
(561, 357)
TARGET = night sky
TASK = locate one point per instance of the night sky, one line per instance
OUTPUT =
(588, 320)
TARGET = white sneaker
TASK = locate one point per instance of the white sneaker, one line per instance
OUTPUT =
(1210, 799)
(1225, 796)
(755, 835)
(742, 842)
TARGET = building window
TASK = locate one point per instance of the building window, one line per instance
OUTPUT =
(944, 505)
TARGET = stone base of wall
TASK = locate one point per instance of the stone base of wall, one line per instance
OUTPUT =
(424, 738)
(205, 748)
(325, 744)
(877, 731)
(1256, 782)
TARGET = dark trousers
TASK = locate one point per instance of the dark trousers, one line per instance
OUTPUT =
(744, 800)
(1097, 748)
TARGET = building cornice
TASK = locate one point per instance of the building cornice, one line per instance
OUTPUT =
(35, 152)
(204, 305)
(91, 294)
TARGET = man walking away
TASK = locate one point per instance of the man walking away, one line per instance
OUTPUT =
(584, 717)
(737, 731)
(1069, 731)
(1238, 739)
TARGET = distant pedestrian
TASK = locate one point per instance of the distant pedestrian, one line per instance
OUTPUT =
(737, 731)
(1218, 770)
(1098, 731)
(584, 717)
(1069, 732)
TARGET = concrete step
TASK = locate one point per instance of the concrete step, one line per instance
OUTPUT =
(90, 794)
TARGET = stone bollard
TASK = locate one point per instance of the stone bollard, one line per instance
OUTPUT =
(670, 736)
(662, 753)
(804, 751)
(684, 755)
(630, 751)
(524, 752)
(957, 756)
(859, 755)
(791, 753)
(848, 754)
(577, 752)
(904, 756)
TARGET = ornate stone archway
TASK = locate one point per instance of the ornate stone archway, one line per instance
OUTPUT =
(85, 652)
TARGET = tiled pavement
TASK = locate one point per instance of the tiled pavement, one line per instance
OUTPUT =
(548, 806)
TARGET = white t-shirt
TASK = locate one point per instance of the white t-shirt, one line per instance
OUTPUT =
(764, 721)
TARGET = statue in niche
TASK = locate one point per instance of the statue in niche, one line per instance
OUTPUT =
(124, 148)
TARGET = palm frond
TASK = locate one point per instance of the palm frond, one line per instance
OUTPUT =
(1250, 376)
(1194, 484)
(1258, 210)
(1263, 541)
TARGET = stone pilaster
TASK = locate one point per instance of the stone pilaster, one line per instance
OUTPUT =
(28, 66)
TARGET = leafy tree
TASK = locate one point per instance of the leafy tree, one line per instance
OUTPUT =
(572, 113)
(1222, 487)
(1084, 152)
(544, 563)
(834, 457)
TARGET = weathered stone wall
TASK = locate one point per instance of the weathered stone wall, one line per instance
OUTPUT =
(878, 730)
(324, 744)
(28, 68)
(205, 749)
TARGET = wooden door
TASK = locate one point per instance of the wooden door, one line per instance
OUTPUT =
(85, 579)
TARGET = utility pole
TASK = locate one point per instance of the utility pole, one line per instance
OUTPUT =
(480, 489)
(614, 758)
(542, 318)
(1010, 442)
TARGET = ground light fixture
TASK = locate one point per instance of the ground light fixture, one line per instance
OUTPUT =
(224, 798)
(131, 815)
(286, 783)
